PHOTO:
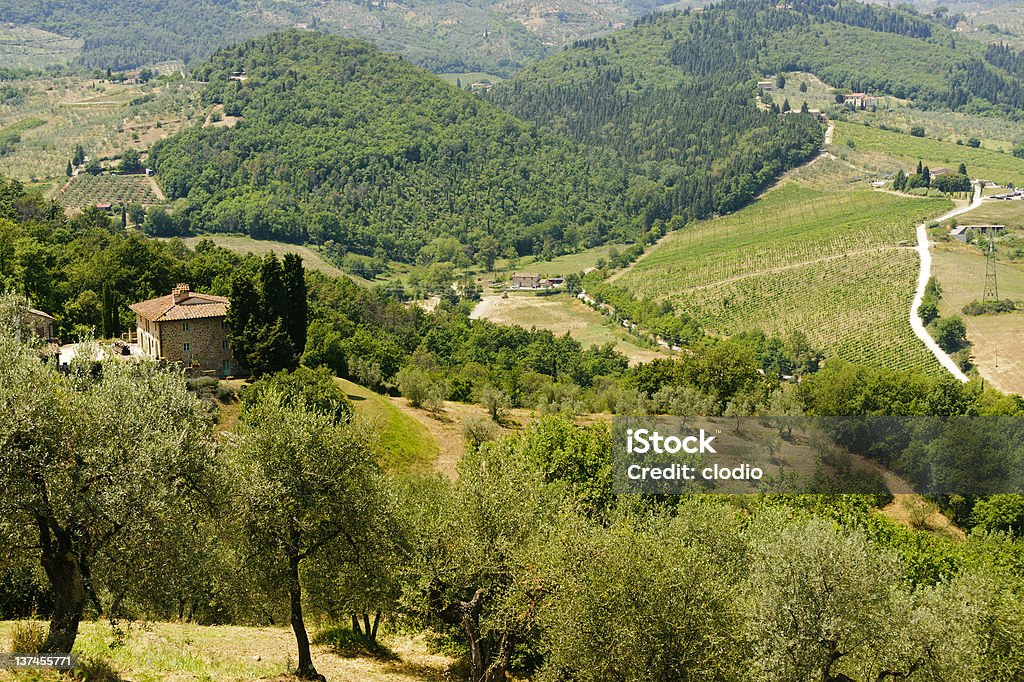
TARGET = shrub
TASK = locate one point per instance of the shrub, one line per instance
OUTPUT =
(478, 430)
(28, 636)
(351, 644)
(421, 388)
(1005, 305)
(950, 333)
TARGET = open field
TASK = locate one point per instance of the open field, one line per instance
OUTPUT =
(835, 263)
(903, 151)
(311, 259)
(183, 651)
(88, 190)
(22, 47)
(560, 314)
(998, 340)
(105, 118)
(562, 265)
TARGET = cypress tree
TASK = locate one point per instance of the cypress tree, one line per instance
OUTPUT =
(273, 297)
(243, 317)
(297, 309)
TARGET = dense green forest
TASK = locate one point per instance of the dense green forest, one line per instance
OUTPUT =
(342, 143)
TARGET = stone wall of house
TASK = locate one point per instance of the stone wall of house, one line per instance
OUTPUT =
(206, 339)
(148, 336)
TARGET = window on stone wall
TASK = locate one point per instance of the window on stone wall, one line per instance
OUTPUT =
(187, 348)
(184, 326)
(224, 344)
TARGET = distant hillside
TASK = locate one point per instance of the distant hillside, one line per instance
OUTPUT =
(849, 45)
(340, 142)
(494, 36)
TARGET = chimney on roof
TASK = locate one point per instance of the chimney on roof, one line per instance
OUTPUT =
(179, 293)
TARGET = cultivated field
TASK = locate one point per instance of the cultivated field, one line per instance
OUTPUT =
(560, 314)
(105, 118)
(837, 264)
(22, 47)
(88, 190)
(151, 652)
(883, 148)
(311, 259)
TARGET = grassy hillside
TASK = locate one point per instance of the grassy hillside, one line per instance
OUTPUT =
(407, 444)
(835, 264)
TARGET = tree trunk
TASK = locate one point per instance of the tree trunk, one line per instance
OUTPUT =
(306, 670)
(469, 617)
(356, 629)
(499, 666)
(68, 588)
(373, 630)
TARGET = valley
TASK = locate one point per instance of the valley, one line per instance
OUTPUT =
(332, 336)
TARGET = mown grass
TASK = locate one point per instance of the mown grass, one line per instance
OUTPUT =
(837, 264)
(311, 259)
(563, 265)
(405, 443)
(906, 150)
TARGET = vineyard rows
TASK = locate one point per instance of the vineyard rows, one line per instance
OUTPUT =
(89, 190)
(837, 265)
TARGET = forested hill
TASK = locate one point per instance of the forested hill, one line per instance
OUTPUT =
(341, 142)
(668, 73)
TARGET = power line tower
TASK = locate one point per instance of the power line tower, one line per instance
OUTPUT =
(991, 283)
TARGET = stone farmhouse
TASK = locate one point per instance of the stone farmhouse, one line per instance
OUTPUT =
(187, 328)
(525, 280)
(40, 322)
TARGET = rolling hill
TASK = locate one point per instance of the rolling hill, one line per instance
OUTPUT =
(340, 142)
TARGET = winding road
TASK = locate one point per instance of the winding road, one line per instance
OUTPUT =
(924, 251)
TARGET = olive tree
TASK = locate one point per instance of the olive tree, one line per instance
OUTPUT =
(473, 545)
(647, 597)
(306, 484)
(90, 464)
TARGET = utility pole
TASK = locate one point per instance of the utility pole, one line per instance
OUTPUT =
(991, 283)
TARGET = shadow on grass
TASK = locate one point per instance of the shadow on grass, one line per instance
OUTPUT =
(348, 644)
(95, 670)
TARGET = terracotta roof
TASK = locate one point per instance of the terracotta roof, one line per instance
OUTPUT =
(40, 313)
(196, 306)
